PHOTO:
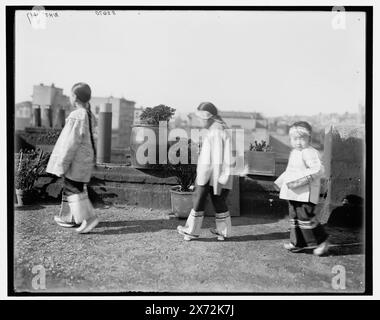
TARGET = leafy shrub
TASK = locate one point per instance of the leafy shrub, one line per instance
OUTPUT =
(261, 146)
(156, 114)
(185, 175)
(29, 165)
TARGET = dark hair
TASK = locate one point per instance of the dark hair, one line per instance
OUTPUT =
(208, 106)
(89, 115)
(82, 91)
(302, 124)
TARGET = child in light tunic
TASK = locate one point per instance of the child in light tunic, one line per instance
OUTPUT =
(213, 176)
(300, 185)
(73, 158)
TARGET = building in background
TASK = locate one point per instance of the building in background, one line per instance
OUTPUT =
(281, 127)
(254, 125)
(23, 115)
(123, 115)
(50, 99)
(136, 116)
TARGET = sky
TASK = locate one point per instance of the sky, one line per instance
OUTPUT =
(271, 62)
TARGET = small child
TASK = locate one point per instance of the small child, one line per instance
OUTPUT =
(73, 158)
(300, 185)
(213, 176)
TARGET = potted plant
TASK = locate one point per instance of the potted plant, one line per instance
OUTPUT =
(145, 135)
(181, 195)
(260, 160)
(185, 173)
(29, 166)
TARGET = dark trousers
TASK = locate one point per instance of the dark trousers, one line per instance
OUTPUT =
(71, 187)
(218, 201)
(305, 231)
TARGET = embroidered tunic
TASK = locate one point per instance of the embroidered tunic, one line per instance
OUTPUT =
(302, 164)
(214, 161)
(73, 155)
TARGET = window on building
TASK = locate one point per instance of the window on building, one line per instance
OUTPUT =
(97, 110)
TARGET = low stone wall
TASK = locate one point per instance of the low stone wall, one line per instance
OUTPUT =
(344, 160)
(122, 184)
(31, 138)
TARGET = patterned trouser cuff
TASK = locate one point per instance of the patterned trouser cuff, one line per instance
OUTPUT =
(222, 215)
(197, 214)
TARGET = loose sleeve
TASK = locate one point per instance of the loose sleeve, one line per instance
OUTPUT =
(280, 180)
(204, 167)
(315, 168)
(227, 159)
(66, 147)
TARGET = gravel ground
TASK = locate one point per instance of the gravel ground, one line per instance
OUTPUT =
(138, 250)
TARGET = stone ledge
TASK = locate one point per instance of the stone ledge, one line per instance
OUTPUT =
(124, 173)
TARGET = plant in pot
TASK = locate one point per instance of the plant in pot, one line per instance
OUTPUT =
(185, 173)
(181, 195)
(29, 166)
(260, 160)
(148, 127)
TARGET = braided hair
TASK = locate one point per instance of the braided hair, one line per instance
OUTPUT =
(89, 114)
(83, 94)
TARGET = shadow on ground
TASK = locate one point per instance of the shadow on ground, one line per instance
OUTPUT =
(254, 237)
(340, 249)
(138, 226)
(30, 207)
(141, 251)
(344, 241)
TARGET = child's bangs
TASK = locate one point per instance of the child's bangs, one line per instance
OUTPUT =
(299, 132)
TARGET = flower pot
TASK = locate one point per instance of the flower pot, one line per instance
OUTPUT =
(182, 202)
(23, 197)
(260, 163)
(144, 139)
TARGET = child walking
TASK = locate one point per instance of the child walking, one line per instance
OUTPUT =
(73, 158)
(300, 185)
(213, 176)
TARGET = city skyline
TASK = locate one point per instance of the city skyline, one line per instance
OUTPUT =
(185, 115)
(296, 63)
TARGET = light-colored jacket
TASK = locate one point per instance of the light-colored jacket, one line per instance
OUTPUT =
(302, 163)
(215, 159)
(73, 155)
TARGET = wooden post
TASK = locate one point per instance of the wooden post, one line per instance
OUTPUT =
(61, 115)
(37, 117)
(47, 117)
(104, 134)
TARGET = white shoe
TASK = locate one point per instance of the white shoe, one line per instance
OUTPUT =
(219, 236)
(292, 248)
(65, 218)
(192, 228)
(187, 236)
(63, 223)
(321, 249)
(223, 225)
(88, 225)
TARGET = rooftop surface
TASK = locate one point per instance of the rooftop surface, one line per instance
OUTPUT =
(135, 249)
